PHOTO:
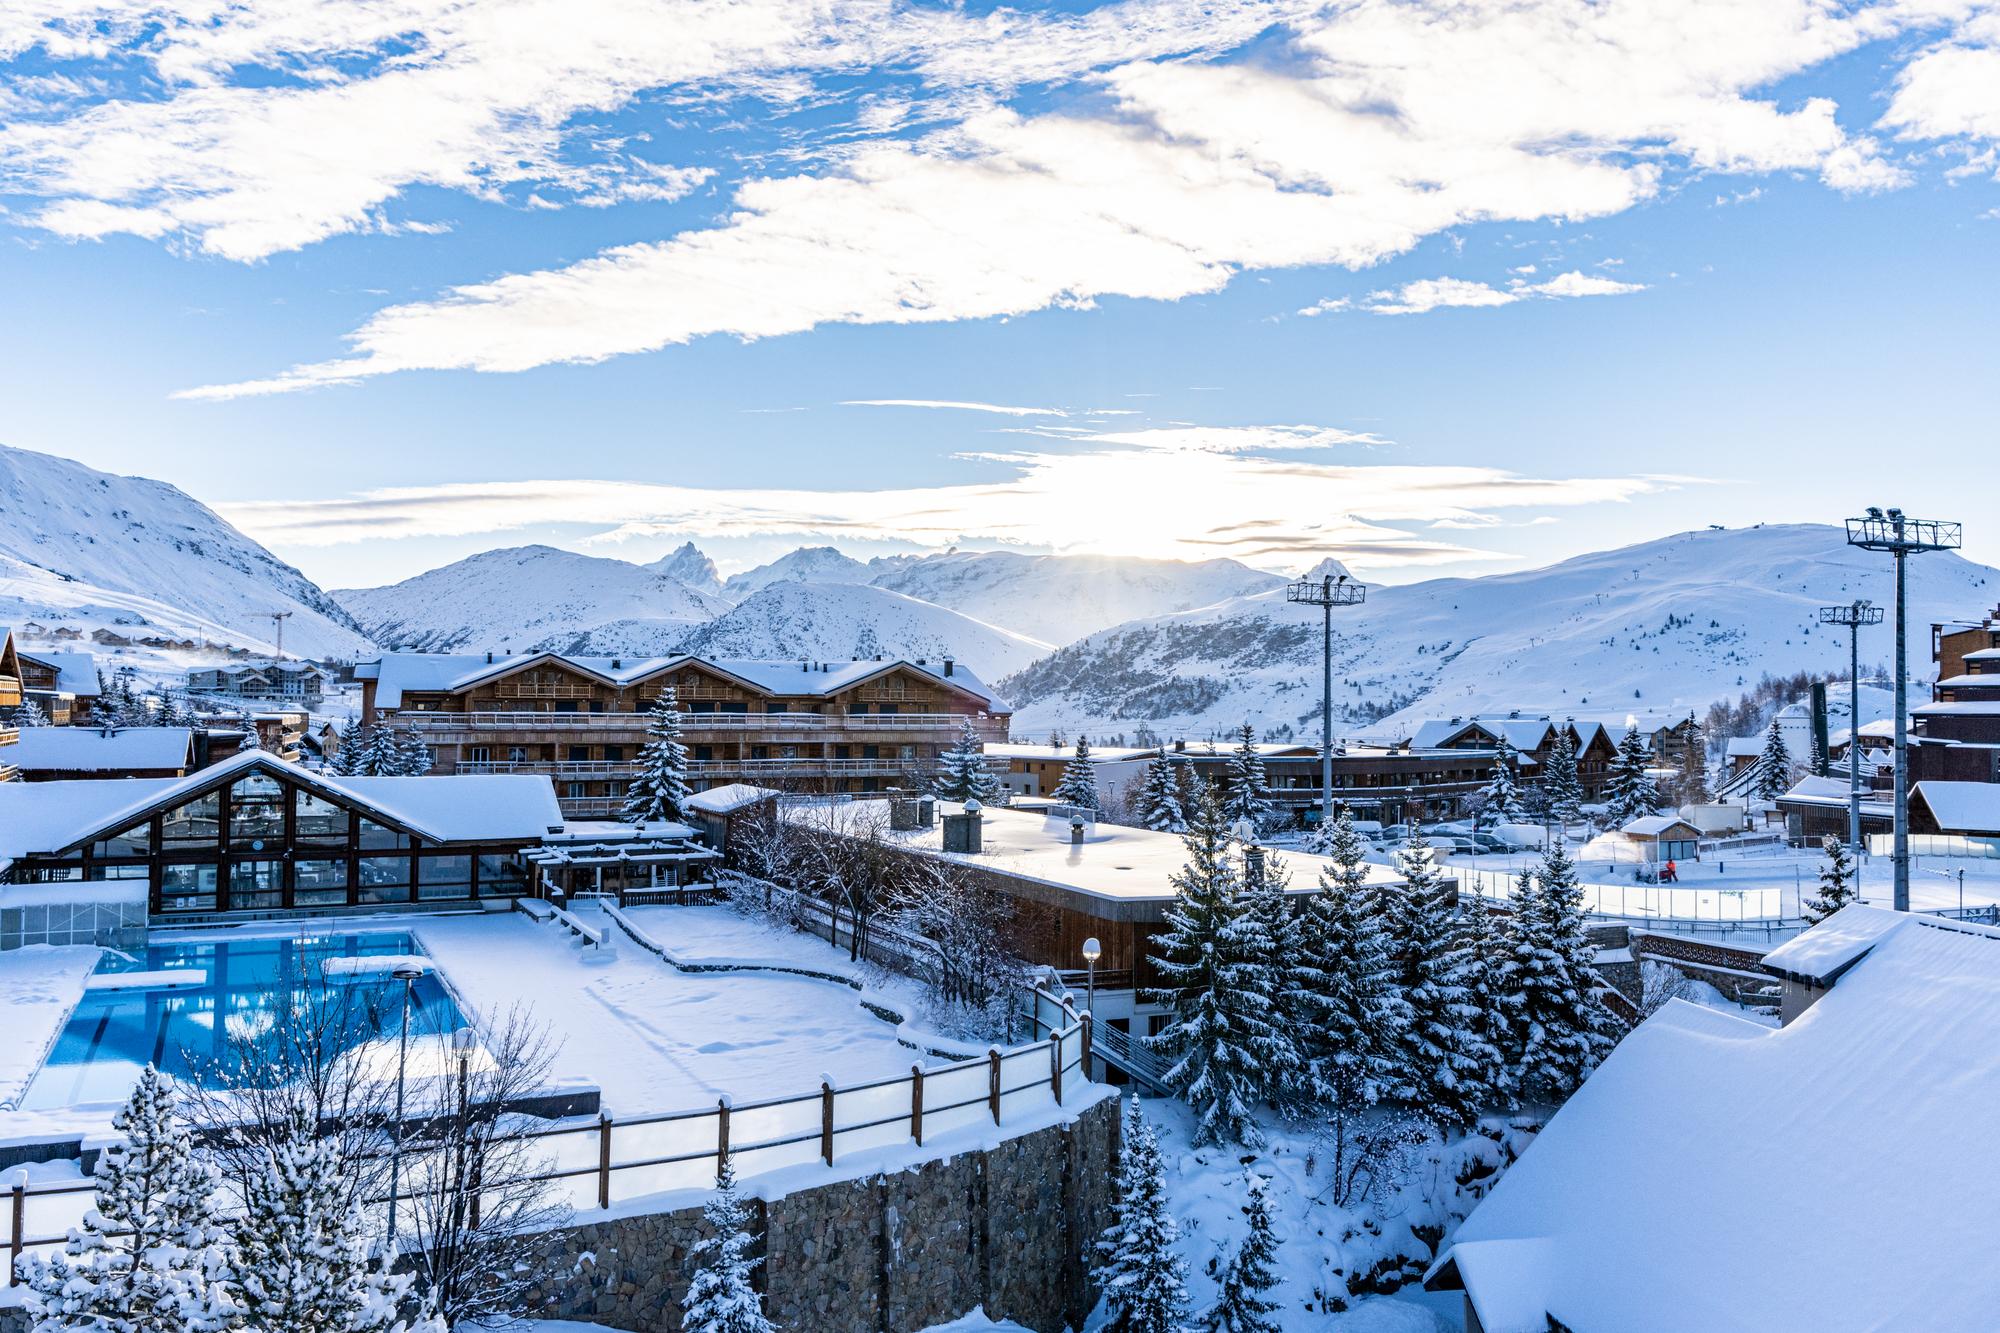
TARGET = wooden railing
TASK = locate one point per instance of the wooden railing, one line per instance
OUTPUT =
(532, 720)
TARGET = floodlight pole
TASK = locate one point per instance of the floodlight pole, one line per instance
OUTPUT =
(1854, 616)
(1326, 592)
(1899, 534)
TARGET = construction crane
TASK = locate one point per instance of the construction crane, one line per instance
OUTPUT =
(279, 618)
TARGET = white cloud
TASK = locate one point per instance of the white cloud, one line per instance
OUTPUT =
(1428, 294)
(954, 405)
(1180, 494)
(1951, 90)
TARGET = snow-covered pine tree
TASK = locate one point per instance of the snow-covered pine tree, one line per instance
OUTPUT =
(1243, 1304)
(1078, 786)
(305, 1265)
(1496, 1007)
(1629, 790)
(151, 1257)
(30, 714)
(1501, 797)
(1160, 797)
(962, 772)
(721, 1299)
(1774, 765)
(379, 756)
(1561, 787)
(1220, 1023)
(1564, 1030)
(1339, 1001)
(413, 757)
(661, 785)
(1692, 783)
(1837, 887)
(347, 750)
(1268, 943)
(1248, 792)
(1439, 1062)
(1139, 1267)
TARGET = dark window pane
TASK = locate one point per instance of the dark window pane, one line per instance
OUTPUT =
(195, 822)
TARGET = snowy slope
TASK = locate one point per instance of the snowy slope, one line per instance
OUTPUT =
(531, 597)
(1062, 598)
(808, 564)
(88, 549)
(1669, 624)
(836, 622)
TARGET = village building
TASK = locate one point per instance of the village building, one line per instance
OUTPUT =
(1956, 736)
(1823, 1120)
(1532, 738)
(1658, 839)
(56, 754)
(1961, 810)
(63, 684)
(300, 682)
(806, 726)
(1816, 808)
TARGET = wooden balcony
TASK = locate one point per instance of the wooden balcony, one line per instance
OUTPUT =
(693, 724)
(811, 766)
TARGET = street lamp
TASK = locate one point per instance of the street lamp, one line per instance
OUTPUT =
(1326, 592)
(1092, 951)
(1900, 535)
(1854, 616)
(407, 974)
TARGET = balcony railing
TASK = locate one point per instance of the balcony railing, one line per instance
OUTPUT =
(807, 766)
(498, 720)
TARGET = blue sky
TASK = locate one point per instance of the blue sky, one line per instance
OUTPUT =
(1580, 275)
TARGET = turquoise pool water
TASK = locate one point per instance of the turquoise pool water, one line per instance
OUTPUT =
(195, 1008)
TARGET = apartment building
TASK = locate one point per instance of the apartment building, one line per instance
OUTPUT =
(801, 725)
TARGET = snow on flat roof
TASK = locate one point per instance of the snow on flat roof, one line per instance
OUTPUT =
(1110, 754)
(1650, 825)
(1991, 680)
(465, 807)
(1846, 1120)
(1970, 707)
(1116, 863)
(1822, 953)
(1958, 807)
(728, 798)
(88, 749)
(1983, 655)
(76, 673)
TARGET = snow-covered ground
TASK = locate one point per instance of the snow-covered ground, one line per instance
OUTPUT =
(39, 985)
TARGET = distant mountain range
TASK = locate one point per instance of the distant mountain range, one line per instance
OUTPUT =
(84, 550)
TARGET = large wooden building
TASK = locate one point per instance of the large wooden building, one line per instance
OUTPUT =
(858, 726)
(1532, 738)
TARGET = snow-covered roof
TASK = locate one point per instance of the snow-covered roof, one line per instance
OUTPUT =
(728, 799)
(76, 673)
(1832, 792)
(1110, 754)
(1843, 1121)
(1744, 747)
(50, 816)
(1651, 826)
(1821, 954)
(1969, 708)
(1958, 807)
(1983, 655)
(396, 673)
(1520, 732)
(91, 750)
(1989, 681)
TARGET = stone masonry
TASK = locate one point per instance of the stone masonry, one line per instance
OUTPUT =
(1007, 1228)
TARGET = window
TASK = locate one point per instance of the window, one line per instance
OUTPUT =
(517, 754)
(501, 877)
(381, 838)
(320, 820)
(257, 812)
(256, 885)
(187, 888)
(444, 877)
(134, 841)
(319, 882)
(199, 821)
(579, 753)
(385, 879)
(614, 754)
(480, 754)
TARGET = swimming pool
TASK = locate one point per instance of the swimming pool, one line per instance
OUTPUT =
(190, 1007)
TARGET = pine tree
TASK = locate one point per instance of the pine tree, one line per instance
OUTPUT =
(1495, 1006)
(348, 750)
(1267, 942)
(1693, 779)
(1561, 786)
(1160, 797)
(1564, 1031)
(1774, 765)
(1439, 1062)
(1140, 1270)
(720, 1299)
(1248, 793)
(412, 756)
(305, 1263)
(1078, 786)
(1339, 998)
(1501, 796)
(30, 714)
(1837, 887)
(1220, 1029)
(962, 772)
(661, 785)
(170, 1271)
(1630, 791)
(1244, 1304)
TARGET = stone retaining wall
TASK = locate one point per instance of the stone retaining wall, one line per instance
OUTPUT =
(1006, 1228)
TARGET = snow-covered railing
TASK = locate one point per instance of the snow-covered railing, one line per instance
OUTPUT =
(611, 1162)
(532, 720)
(1645, 902)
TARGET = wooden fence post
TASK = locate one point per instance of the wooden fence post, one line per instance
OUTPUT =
(826, 1121)
(993, 1081)
(603, 1160)
(917, 1104)
(19, 1213)
(721, 1136)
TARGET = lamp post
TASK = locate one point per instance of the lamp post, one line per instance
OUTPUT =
(1326, 592)
(1092, 951)
(408, 976)
(1854, 616)
(1900, 535)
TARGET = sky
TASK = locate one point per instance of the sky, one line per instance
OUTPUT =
(1434, 288)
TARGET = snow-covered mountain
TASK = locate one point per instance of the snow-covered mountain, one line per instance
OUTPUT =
(808, 564)
(1670, 624)
(839, 621)
(1062, 598)
(690, 565)
(525, 598)
(89, 550)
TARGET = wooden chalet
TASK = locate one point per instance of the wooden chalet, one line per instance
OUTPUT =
(800, 725)
(64, 684)
(1956, 736)
(1532, 737)
(10, 701)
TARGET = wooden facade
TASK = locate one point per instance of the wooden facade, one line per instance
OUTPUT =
(584, 726)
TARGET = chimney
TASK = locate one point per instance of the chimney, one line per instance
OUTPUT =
(617, 665)
(489, 659)
(947, 666)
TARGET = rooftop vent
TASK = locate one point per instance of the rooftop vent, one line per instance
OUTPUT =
(947, 666)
